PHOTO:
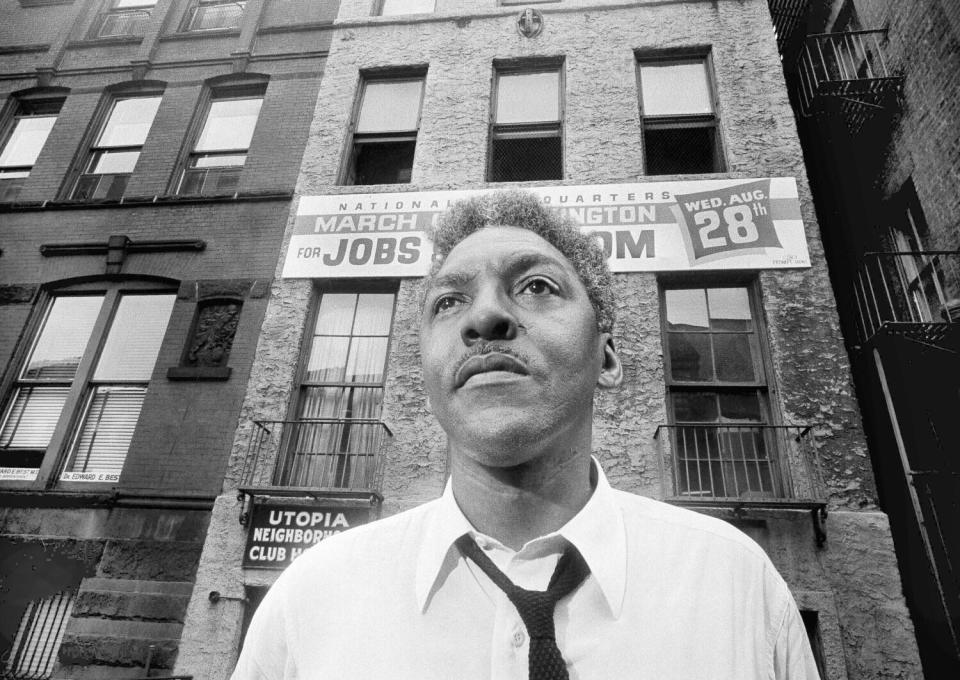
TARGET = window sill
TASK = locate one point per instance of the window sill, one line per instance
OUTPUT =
(101, 42)
(199, 373)
(199, 35)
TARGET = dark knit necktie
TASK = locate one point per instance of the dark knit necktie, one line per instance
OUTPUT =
(536, 607)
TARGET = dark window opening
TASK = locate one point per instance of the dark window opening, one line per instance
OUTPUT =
(517, 160)
(382, 162)
(680, 151)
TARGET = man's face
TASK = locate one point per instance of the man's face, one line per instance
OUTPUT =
(510, 347)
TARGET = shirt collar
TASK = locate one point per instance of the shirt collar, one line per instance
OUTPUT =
(597, 531)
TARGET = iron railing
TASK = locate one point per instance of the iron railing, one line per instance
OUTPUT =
(909, 292)
(316, 454)
(212, 15)
(41, 629)
(129, 22)
(740, 464)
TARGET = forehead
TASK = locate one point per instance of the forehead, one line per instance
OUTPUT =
(501, 246)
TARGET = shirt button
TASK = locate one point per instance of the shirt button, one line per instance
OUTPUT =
(519, 637)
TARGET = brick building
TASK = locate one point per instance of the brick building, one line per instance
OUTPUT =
(876, 85)
(148, 156)
(665, 127)
(636, 119)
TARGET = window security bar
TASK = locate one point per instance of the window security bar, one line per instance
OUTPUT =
(34, 651)
(126, 23)
(342, 454)
(211, 15)
(916, 293)
(703, 464)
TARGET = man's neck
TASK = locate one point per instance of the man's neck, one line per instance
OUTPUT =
(517, 504)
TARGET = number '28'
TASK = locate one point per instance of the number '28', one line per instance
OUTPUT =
(738, 220)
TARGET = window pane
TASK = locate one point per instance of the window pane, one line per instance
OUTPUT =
(114, 163)
(129, 122)
(32, 417)
(690, 357)
(367, 356)
(390, 106)
(63, 339)
(130, 351)
(695, 407)
(528, 97)
(686, 309)
(26, 141)
(229, 125)
(221, 160)
(395, 7)
(335, 316)
(373, 314)
(729, 309)
(328, 356)
(741, 407)
(323, 402)
(734, 358)
(107, 429)
(675, 89)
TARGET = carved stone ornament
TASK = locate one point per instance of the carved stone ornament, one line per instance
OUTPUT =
(530, 22)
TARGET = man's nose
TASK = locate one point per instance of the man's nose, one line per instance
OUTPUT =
(489, 318)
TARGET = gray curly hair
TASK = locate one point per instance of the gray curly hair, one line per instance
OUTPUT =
(522, 209)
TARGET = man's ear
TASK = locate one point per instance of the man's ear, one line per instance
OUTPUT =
(611, 373)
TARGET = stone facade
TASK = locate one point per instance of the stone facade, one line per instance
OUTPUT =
(851, 583)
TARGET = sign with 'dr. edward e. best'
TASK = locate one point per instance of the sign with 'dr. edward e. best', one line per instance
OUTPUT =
(697, 225)
(280, 533)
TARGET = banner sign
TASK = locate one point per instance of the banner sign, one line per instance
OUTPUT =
(16, 474)
(280, 533)
(713, 224)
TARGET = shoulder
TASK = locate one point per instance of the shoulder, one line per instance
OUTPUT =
(694, 530)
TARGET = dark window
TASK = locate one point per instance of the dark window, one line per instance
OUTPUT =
(679, 117)
(811, 623)
(526, 136)
(82, 385)
(717, 393)
(220, 150)
(385, 134)
(22, 138)
(207, 15)
(116, 148)
(214, 329)
(341, 392)
(122, 18)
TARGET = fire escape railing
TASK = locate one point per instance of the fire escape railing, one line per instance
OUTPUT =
(911, 293)
(848, 70)
(318, 455)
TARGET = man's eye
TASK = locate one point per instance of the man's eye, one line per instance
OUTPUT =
(538, 286)
(444, 303)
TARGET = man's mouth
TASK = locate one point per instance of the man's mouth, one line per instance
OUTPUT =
(488, 363)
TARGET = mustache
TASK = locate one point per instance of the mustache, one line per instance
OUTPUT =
(481, 349)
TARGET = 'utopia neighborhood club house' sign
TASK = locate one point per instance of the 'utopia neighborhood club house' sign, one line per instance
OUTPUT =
(699, 225)
(280, 533)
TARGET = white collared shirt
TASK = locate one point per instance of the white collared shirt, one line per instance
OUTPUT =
(671, 594)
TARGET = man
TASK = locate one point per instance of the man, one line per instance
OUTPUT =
(515, 337)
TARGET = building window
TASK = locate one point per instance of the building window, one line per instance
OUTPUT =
(397, 7)
(680, 132)
(82, 385)
(21, 140)
(220, 151)
(385, 133)
(41, 629)
(116, 149)
(122, 18)
(526, 140)
(717, 393)
(208, 15)
(341, 392)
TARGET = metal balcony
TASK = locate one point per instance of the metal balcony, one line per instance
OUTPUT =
(320, 456)
(915, 294)
(740, 465)
(788, 16)
(846, 73)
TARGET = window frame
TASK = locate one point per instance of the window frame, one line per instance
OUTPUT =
(13, 113)
(356, 140)
(764, 386)
(110, 9)
(526, 130)
(190, 14)
(67, 428)
(681, 121)
(91, 147)
(252, 88)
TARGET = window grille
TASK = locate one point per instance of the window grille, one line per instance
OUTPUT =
(34, 651)
(213, 14)
(123, 18)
